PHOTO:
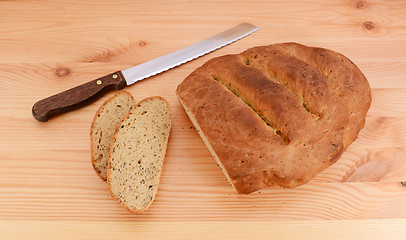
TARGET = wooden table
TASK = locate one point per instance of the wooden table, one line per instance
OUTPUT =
(48, 189)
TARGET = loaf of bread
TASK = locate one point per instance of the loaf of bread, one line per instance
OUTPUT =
(278, 114)
(137, 153)
(103, 126)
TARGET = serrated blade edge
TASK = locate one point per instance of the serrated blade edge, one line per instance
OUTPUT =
(171, 60)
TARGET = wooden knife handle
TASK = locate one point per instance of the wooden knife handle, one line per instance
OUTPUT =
(77, 97)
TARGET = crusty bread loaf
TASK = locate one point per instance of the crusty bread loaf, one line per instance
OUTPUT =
(103, 126)
(278, 114)
(137, 153)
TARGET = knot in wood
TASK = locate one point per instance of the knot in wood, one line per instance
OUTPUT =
(62, 72)
(142, 43)
(361, 4)
(369, 25)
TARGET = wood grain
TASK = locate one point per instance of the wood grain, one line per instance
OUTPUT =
(48, 189)
(309, 230)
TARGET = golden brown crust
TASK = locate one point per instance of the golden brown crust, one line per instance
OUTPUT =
(278, 114)
(348, 81)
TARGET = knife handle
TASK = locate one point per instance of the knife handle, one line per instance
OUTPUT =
(77, 97)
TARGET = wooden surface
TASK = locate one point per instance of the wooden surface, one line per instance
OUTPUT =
(48, 189)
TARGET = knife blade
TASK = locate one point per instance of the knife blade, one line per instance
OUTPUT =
(88, 92)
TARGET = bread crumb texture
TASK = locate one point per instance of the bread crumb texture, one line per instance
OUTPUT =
(104, 124)
(137, 154)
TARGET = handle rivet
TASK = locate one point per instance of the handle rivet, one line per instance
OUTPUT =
(114, 76)
(99, 82)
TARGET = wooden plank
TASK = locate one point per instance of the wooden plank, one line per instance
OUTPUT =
(303, 230)
(43, 80)
(130, 51)
(188, 199)
(347, 17)
(346, 26)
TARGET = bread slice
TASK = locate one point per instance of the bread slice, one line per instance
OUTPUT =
(103, 126)
(137, 153)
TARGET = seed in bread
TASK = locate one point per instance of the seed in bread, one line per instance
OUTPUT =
(278, 114)
(137, 153)
(103, 126)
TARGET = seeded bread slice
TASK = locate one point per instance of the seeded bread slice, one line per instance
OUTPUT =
(104, 124)
(137, 153)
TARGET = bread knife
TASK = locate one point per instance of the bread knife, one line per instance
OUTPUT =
(88, 92)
